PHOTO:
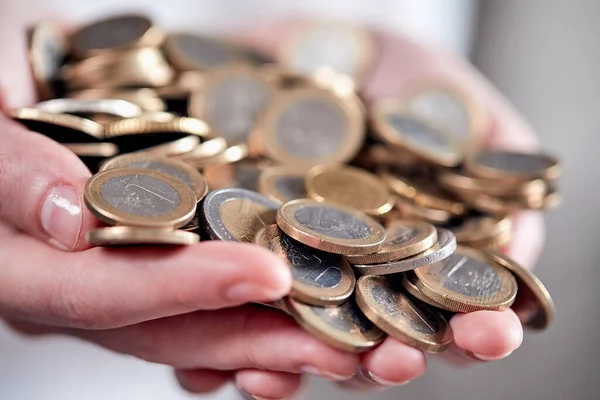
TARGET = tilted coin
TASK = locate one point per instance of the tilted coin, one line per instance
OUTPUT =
(408, 320)
(282, 183)
(188, 51)
(140, 197)
(481, 231)
(47, 50)
(205, 150)
(461, 183)
(194, 224)
(230, 155)
(93, 149)
(319, 278)
(115, 33)
(131, 236)
(309, 126)
(442, 250)
(350, 187)
(343, 327)
(408, 280)
(404, 209)
(176, 147)
(265, 234)
(242, 174)
(232, 100)
(63, 128)
(513, 166)
(236, 214)
(145, 98)
(533, 305)
(330, 227)
(404, 238)
(467, 281)
(172, 167)
(395, 125)
(114, 107)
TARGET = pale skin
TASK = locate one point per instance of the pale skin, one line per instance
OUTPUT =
(186, 307)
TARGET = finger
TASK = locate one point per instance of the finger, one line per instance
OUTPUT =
(263, 385)
(229, 339)
(487, 335)
(202, 380)
(105, 288)
(42, 188)
(527, 239)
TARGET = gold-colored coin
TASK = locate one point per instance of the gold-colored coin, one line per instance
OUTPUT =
(512, 166)
(282, 183)
(425, 195)
(533, 304)
(174, 148)
(308, 126)
(96, 107)
(146, 98)
(192, 52)
(265, 234)
(64, 128)
(349, 187)
(172, 167)
(162, 123)
(408, 283)
(330, 227)
(408, 320)
(343, 327)
(469, 186)
(467, 281)
(205, 150)
(230, 155)
(482, 231)
(404, 238)
(395, 125)
(243, 174)
(93, 149)
(140, 197)
(115, 33)
(407, 210)
(47, 49)
(194, 224)
(131, 236)
(319, 278)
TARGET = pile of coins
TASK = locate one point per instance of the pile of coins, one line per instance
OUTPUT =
(391, 216)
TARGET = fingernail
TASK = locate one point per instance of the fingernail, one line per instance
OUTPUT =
(245, 291)
(61, 216)
(247, 396)
(487, 358)
(369, 376)
(310, 370)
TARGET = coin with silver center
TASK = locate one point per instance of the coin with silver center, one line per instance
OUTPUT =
(235, 214)
(47, 47)
(195, 52)
(283, 183)
(513, 166)
(131, 236)
(242, 174)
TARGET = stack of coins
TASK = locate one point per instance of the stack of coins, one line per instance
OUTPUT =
(390, 216)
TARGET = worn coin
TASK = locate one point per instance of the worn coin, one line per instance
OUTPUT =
(467, 281)
(408, 320)
(443, 249)
(140, 197)
(190, 52)
(236, 214)
(343, 327)
(349, 187)
(397, 126)
(131, 236)
(513, 166)
(319, 278)
(243, 174)
(47, 50)
(404, 238)
(311, 126)
(282, 183)
(408, 280)
(113, 107)
(93, 149)
(533, 305)
(330, 227)
(172, 167)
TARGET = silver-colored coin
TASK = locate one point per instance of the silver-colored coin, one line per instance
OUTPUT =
(164, 168)
(512, 162)
(291, 187)
(233, 106)
(236, 214)
(332, 222)
(113, 33)
(118, 108)
(200, 52)
(140, 195)
(311, 129)
(444, 110)
(419, 135)
(445, 247)
(346, 317)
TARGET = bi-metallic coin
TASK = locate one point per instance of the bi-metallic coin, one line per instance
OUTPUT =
(47, 50)
(513, 166)
(191, 52)
(132, 236)
(283, 183)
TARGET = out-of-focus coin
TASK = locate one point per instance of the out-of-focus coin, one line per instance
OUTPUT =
(408, 283)
(47, 50)
(467, 281)
(265, 234)
(395, 125)
(146, 98)
(282, 183)
(161, 123)
(349, 187)
(319, 278)
(172, 167)
(408, 320)
(230, 155)
(329, 46)
(232, 100)
(188, 51)
(442, 250)
(93, 149)
(330, 227)
(115, 107)
(343, 327)
(308, 126)
(242, 174)
(236, 214)
(403, 209)
(194, 224)
(131, 236)
(115, 33)
(513, 166)
(174, 148)
(482, 231)
(460, 183)
(140, 197)
(63, 128)
(533, 304)
(204, 150)
(404, 239)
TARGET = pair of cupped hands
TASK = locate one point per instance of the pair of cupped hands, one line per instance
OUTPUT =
(187, 307)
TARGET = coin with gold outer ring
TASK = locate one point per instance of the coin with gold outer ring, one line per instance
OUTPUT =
(93, 149)
(265, 234)
(130, 236)
(43, 121)
(413, 290)
(283, 183)
(513, 166)
(158, 122)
